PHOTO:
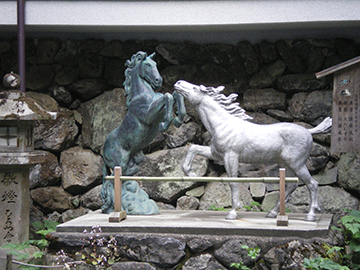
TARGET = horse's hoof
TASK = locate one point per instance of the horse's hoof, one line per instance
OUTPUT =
(231, 215)
(162, 127)
(310, 217)
(177, 122)
(271, 215)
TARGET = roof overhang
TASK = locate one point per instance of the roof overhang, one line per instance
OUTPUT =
(319, 18)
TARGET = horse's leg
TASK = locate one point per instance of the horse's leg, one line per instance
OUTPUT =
(289, 189)
(231, 162)
(312, 185)
(169, 101)
(181, 111)
(193, 151)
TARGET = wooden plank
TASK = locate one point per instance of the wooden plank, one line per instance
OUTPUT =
(118, 214)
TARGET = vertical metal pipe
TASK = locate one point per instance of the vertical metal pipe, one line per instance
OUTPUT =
(21, 41)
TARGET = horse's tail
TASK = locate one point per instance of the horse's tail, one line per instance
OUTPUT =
(323, 127)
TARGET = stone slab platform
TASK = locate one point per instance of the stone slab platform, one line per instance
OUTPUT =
(203, 223)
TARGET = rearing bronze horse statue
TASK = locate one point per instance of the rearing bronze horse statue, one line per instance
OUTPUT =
(148, 113)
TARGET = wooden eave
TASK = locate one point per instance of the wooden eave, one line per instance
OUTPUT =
(337, 67)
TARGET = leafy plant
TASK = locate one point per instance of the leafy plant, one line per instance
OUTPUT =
(253, 206)
(18, 250)
(239, 265)
(351, 229)
(320, 263)
(214, 208)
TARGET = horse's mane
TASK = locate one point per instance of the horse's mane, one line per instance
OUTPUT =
(130, 64)
(226, 102)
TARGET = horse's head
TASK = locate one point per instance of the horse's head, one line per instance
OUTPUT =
(149, 72)
(192, 92)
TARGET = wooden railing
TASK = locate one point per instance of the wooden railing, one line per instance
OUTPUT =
(119, 215)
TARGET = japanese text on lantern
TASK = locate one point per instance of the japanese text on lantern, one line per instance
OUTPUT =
(8, 200)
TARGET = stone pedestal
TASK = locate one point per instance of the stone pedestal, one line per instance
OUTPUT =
(17, 155)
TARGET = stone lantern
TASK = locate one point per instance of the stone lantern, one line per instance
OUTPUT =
(18, 114)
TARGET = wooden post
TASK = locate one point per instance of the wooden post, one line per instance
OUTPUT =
(282, 219)
(117, 215)
(8, 261)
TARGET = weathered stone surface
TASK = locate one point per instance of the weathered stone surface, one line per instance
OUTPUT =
(346, 48)
(45, 101)
(247, 52)
(331, 200)
(327, 177)
(91, 45)
(92, 199)
(112, 49)
(315, 60)
(187, 203)
(222, 54)
(91, 66)
(293, 61)
(214, 75)
(5, 46)
(87, 89)
(82, 169)
(349, 172)
(96, 123)
(300, 83)
(319, 156)
(61, 95)
(114, 72)
(268, 51)
(51, 199)
(271, 198)
(46, 50)
(67, 75)
(131, 266)
(260, 99)
(39, 77)
(57, 135)
(196, 192)
(257, 190)
(168, 163)
(218, 195)
(182, 53)
(302, 47)
(262, 118)
(279, 114)
(68, 53)
(311, 107)
(176, 137)
(199, 245)
(47, 173)
(162, 251)
(232, 252)
(202, 262)
(73, 213)
(172, 74)
(267, 75)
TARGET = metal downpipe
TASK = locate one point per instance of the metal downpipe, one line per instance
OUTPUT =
(21, 42)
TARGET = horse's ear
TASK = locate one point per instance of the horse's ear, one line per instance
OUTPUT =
(152, 55)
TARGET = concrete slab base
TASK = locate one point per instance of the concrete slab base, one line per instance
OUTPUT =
(204, 223)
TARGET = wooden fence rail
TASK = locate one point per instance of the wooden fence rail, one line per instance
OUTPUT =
(119, 215)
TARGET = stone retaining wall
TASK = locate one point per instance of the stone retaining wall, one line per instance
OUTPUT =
(82, 80)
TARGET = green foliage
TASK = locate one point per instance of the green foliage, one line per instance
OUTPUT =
(239, 266)
(18, 250)
(255, 206)
(214, 208)
(320, 263)
(253, 253)
(351, 229)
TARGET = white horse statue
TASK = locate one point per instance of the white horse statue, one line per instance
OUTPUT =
(234, 140)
